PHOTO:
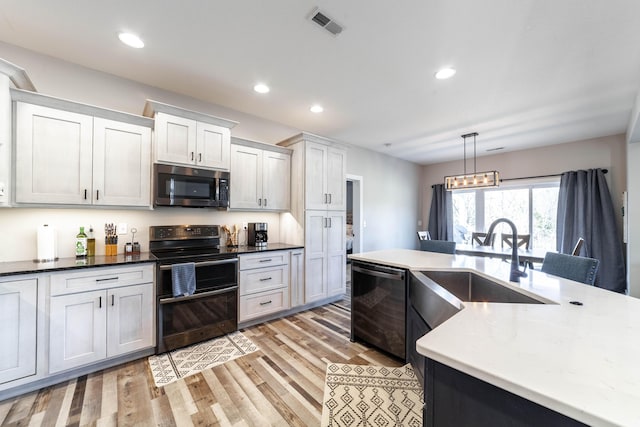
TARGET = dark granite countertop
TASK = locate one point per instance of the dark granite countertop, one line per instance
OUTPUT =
(30, 267)
(251, 249)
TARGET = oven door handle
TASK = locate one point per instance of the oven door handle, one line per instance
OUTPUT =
(197, 296)
(206, 263)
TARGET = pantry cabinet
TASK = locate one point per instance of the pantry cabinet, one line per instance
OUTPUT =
(261, 176)
(318, 207)
(97, 314)
(325, 260)
(73, 154)
(18, 313)
(190, 138)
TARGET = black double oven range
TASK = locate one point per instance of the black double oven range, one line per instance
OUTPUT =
(212, 310)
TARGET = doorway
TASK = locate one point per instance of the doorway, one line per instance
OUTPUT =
(354, 214)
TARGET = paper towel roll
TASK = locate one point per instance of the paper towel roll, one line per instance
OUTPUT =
(47, 244)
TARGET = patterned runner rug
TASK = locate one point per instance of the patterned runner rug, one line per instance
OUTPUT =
(169, 367)
(362, 395)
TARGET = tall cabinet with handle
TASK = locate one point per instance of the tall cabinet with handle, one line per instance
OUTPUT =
(318, 213)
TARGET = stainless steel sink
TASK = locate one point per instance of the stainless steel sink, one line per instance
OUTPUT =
(438, 295)
(472, 287)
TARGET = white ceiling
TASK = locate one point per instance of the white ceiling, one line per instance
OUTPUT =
(530, 72)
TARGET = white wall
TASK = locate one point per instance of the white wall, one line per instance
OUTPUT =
(633, 212)
(391, 199)
(606, 152)
(391, 185)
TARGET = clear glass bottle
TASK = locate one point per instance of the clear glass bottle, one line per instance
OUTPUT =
(91, 242)
(81, 244)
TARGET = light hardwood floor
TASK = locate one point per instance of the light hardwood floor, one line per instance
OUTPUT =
(282, 384)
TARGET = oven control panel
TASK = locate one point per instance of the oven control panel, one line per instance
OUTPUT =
(181, 232)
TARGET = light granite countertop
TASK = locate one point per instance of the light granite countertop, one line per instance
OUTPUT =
(581, 361)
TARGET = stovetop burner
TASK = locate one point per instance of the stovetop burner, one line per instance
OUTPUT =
(184, 241)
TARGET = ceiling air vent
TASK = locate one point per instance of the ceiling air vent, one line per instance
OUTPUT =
(325, 22)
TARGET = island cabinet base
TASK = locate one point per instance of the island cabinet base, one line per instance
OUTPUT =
(453, 398)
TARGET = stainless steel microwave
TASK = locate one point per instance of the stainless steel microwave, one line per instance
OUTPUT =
(190, 187)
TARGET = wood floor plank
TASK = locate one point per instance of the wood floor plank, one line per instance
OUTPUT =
(226, 408)
(281, 384)
(134, 400)
(162, 414)
(203, 399)
(269, 414)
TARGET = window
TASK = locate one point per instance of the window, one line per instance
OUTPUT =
(532, 207)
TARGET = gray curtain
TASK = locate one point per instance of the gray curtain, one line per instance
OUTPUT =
(440, 225)
(585, 210)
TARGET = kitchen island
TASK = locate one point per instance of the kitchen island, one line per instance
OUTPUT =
(581, 361)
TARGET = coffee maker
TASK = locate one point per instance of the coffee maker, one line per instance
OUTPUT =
(257, 234)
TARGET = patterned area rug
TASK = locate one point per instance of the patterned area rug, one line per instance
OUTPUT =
(169, 367)
(362, 395)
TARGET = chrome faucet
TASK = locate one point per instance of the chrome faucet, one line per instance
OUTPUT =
(516, 274)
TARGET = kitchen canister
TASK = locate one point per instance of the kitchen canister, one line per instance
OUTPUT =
(47, 244)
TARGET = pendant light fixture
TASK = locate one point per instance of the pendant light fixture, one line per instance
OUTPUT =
(474, 180)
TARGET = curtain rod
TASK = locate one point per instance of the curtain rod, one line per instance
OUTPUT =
(534, 177)
(540, 176)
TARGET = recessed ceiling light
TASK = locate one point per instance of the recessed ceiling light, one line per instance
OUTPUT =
(261, 88)
(316, 108)
(445, 73)
(131, 40)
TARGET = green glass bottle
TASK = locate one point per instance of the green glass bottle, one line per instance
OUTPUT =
(81, 244)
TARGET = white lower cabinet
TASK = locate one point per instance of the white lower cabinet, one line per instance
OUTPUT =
(264, 284)
(296, 281)
(18, 312)
(89, 326)
(325, 258)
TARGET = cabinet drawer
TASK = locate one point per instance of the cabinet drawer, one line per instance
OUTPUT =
(263, 303)
(263, 259)
(88, 279)
(263, 279)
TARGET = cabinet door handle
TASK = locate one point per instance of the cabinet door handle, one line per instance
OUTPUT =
(329, 220)
(99, 302)
(264, 279)
(325, 222)
(192, 158)
(259, 202)
(329, 198)
(266, 260)
(266, 302)
(85, 194)
(108, 278)
(325, 198)
(97, 194)
(265, 202)
(112, 300)
(200, 157)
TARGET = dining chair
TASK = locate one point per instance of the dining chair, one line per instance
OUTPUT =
(424, 235)
(477, 238)
(522, 240)
(577, 247)
(441, 246)
(572, 267)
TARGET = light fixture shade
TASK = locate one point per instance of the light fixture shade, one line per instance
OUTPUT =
(473, 180)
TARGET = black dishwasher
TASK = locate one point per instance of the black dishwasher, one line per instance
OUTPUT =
(378, 307)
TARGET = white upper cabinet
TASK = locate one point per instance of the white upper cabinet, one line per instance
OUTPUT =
(121, 163)
(325, 177)
(73, 154)
(260, 176)
(186, 137)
